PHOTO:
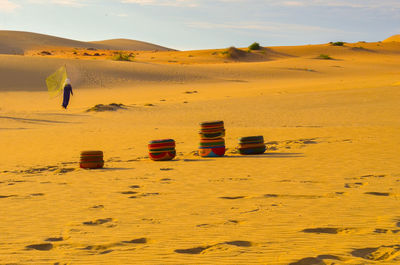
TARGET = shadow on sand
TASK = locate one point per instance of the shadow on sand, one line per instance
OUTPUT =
(31, 120)
(267, 155)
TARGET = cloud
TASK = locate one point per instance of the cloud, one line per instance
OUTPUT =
(336, 3)
(293, 3)
(69, 3)
(72, 3)
(372, 4)
(7, 6)
(176, 3)
(263, 26)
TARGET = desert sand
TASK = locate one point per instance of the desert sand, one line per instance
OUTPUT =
(325, 192)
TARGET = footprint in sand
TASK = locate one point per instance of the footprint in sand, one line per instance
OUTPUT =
(102, 249)
(233, 197)
(62, 171)
(295, 196)
(144, 195)
(353, 185)
(166, 180)
(166, 169)
(37, 194)
(373, 176)
(330, 230)
(386, 231)
(382, 253)
(110, 221)
(107, 248)
(54, 239)
(377, 193)
(128, 192)
(196, 250)
(201, 249)
(41, 247)
(228, 222)
(7, 196)
(319, 260)
(142, 240)
(100, 206)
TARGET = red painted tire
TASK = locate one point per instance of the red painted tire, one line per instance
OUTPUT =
(163, 156)
(91, 165)
(212, 152)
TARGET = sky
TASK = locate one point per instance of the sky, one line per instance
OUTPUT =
(206, 24)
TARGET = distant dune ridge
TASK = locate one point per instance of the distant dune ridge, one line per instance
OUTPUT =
(17, 42)
(126, 44)
(393, 38)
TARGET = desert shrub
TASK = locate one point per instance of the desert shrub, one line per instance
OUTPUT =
(234, 53)
(324, 57)
(255, 46)
(338, 43)
(120, 56)
(109, 107)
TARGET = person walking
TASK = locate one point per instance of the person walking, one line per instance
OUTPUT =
(67, 93)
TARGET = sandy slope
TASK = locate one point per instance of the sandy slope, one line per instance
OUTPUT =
(393, 38)
(126, 44)
(326, 192)
(19, 42)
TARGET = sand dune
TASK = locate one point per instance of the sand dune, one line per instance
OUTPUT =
(273, 63)
(17, 42)
(130, 45)
(393, 38)
(325, 192)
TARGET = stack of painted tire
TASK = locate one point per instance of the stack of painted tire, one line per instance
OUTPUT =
(212, 143)
(91, 159)
(162, 150)
(251, 145)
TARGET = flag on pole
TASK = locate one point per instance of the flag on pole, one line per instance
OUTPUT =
(55, 82)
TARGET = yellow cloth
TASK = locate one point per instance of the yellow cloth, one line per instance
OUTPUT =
(55, 82)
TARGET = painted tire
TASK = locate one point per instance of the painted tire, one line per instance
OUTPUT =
(251, 139)
(91, 158)
(92, 153)
(159, 150)
(212, 152)
(212, 135)
(215, 130)
(255, 145)
(161, 141)
(207, 145)
(252, 151)
(221, 139)
(91, 165)
(212, 124)
(161, 145)
(162, 156)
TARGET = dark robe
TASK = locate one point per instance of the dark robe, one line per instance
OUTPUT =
(67, 92)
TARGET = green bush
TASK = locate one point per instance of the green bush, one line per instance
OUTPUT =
(255, 46)
(338, 43)
(325, 57)
(120, 56)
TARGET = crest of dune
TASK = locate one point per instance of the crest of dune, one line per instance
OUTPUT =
(393, 38)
